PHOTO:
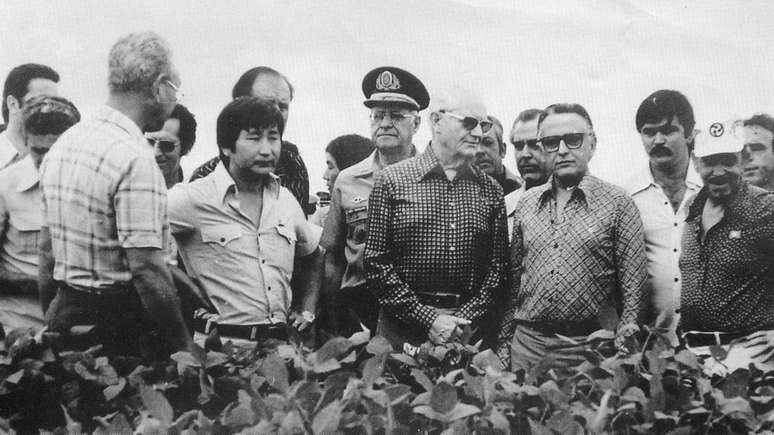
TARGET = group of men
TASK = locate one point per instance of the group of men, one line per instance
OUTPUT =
(417, 245)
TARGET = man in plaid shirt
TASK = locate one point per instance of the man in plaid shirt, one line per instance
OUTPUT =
(435, 251)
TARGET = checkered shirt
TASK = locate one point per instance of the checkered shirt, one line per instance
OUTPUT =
(567, 270)
(728, 279)
(429, 234)
(102, 193)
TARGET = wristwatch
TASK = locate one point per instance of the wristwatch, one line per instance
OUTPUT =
(308, 316)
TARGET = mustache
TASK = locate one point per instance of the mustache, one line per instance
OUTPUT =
(660, 151)
(720, 179)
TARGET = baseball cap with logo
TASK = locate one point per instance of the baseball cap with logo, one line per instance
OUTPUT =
(719, 137)
(388, 84)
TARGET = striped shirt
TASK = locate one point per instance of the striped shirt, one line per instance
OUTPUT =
(429, 234)
(102, 193)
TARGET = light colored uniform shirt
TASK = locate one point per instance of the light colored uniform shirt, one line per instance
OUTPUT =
(20, 217)
(8, 153)
(347, 221)
(102, 192)
(663, 229)
(244, 269)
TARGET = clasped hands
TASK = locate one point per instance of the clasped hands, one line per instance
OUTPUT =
(446, 326)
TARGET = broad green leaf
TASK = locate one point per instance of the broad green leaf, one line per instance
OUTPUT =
(360, 337)
(333, 348)
(687, 358)
(601, 334)
(373, 368)
(458, 411)
(111, 391)
(422, 379)
(275, 371)
(443, 397)
(157, 405)
(327, 419)
(487, 358)
(292, 423)
(378, 345)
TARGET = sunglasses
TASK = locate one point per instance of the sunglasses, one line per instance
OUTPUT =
(521, 144)
(469, 122)
(572, 140)
(166, 146)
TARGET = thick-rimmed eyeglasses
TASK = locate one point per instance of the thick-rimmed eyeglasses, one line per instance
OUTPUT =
(571, 140)
(469, 122)
(395, 117)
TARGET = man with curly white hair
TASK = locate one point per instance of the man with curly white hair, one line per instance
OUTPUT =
(105, 221)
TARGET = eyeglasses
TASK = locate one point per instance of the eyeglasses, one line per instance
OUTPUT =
(166, 146)
(395, 117)
(179, 95)
(572, 140)
(521, 144)
(469, 122)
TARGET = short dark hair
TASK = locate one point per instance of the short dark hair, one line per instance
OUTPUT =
(666, 104)
(566, 108)
(18, 81)
(245, 113)
(187, 133)
(45, 115)
(762, 120)
(527, 115)
(349, 149)
(244, 86)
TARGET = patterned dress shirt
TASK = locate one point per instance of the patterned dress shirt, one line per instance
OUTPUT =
(102, 193)
(728, 281)
(291, 171)
(566, 268)
(429, 234)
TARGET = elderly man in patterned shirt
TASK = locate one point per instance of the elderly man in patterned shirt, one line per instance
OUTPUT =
(727, 257)
(577, 249)
(435, 251)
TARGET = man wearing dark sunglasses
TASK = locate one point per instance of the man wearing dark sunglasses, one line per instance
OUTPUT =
(435, 252)
(394, 97)
(727, 258)
(173, 141)
(577, 251)
(665, 122)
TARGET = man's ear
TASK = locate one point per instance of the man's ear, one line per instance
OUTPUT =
(12, 103)
(417, 123)
(503, 149)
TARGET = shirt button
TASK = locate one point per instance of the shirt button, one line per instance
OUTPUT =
(269, 288)
(675, 223)
(677, 279)
(666, 203)
(675, 250)
(263, 261)
(222, 240)
(453, 226)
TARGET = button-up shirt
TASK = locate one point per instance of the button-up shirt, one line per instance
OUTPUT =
(511, 202)
(663, 233)
(102, 192)
(430, 234)
(8, 153)
(245, 269)
(729, 277)
(20, 218)
(565, 268)
(346, 226)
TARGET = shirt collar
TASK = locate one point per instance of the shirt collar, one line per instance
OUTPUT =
(587, 183)
(28, 176)
(372, 164)
(109, 114)
(225, 184)
(692, 180)
(428, 164)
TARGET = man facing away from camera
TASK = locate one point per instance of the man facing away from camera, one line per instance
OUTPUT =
(435, 252)
(104, 207)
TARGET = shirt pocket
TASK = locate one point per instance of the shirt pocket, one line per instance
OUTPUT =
(357, 223)
(221, 236)
(27, 223)
(278, 247)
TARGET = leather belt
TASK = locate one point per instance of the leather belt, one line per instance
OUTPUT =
(568, 328)
(277, 331)
(440, 300)
(709, 338)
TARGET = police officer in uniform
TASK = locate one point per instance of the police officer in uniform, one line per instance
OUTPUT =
(394, 97)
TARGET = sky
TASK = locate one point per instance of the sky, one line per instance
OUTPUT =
(607, 55)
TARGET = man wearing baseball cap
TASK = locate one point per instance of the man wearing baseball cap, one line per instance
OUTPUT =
(727, 259)
(395, 97)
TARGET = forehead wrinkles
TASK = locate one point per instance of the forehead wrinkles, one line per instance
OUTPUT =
(562, 123)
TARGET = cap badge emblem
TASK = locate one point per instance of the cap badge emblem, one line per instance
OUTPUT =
(716, 129)
(387, 81)
(734, 234)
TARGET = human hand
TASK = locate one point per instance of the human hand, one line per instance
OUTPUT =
(302, 321)
(764, 339)
(444, 327)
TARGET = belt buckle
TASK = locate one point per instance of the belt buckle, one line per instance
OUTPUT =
(253, 332)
